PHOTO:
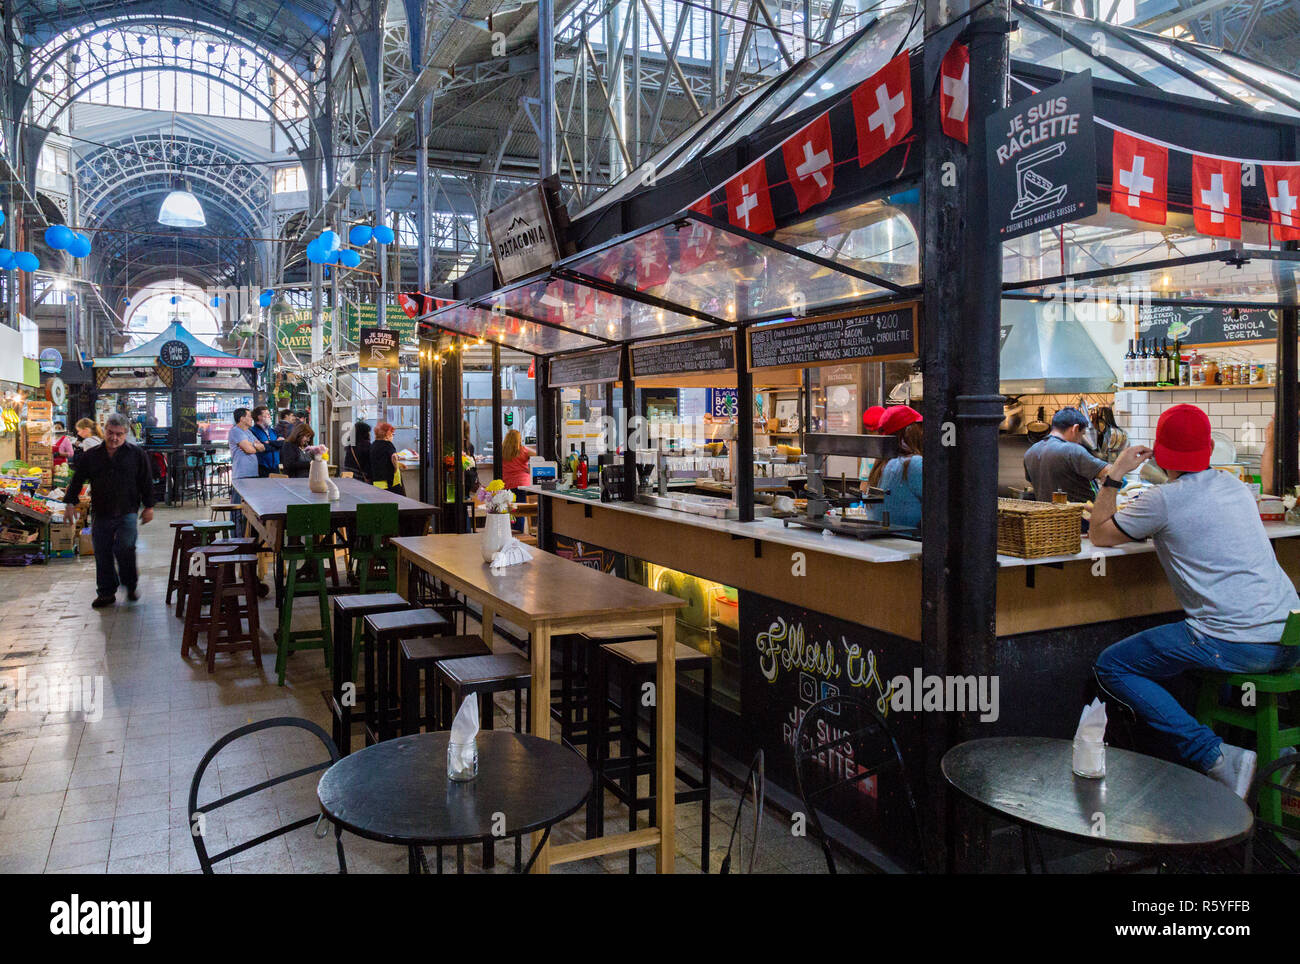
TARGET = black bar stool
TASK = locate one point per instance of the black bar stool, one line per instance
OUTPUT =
(483, 676)
(347, 609)
(630, 665)
(383, 631)
(422, 655)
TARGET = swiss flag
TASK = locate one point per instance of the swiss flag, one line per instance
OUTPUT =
(694, 245)
(882, 109)
(1216, 196)
(954, 93)
(1141, 179)
(702, 206)
(1282, 182)
(809, 163)
(409, 305)
(749, 204)
(652, 267)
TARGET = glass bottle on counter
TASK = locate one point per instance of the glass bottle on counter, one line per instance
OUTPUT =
(581, 476)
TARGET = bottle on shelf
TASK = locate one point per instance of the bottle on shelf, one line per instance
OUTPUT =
(1129, 359)
(1140, 365)
(1149, 369)
(1184, 368)
(1159, 354)
(1171, 367)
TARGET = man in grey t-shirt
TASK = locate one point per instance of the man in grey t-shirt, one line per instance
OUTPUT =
(244, 447)
(1237, 601)
(1061, 462)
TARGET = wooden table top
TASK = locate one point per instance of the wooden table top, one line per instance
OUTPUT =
(547, 587)
(270, 498)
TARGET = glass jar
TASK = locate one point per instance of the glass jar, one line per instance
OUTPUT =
(462, 761)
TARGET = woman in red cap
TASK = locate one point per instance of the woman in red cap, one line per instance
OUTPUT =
(1236, 602)
(871, 418)
(900, 476)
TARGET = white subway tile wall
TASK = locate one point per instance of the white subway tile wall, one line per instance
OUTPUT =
(1243, 414)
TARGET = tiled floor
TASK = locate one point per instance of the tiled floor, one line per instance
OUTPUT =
(111, 795)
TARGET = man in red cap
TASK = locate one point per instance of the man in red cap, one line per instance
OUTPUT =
(1237, 601)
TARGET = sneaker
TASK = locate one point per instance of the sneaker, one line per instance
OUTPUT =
(1235, 768)
(102, 601)
(132, 595)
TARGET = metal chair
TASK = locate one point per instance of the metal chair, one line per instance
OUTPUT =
(755, 778)
(197, 812)
(863, 741)
(1267, 851)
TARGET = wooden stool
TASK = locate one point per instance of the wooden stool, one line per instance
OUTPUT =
(234, 602)
(201, 533)
(307, 540)
(482, 676)
(634, 664)
(228, 507)
(1262, 718)
(423, 654)
(376, 523)
(383, 631)
(198, 583)
(348, 612)
(183, 539)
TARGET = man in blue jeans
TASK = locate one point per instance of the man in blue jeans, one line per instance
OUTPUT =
(1237, 601)
(120, 482)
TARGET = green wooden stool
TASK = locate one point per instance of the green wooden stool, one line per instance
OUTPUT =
(307, 539)
(1260, 719)
(376, 524)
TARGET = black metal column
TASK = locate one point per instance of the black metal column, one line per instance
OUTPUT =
(545, 443)
(743, 484)
(962, 270)
(428, 419)
(629, 412)
(1286, 418)
(496, 412)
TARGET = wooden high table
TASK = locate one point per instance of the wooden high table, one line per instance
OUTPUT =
(266, 503)
(550, 596)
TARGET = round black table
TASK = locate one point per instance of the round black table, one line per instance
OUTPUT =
(1142, 803)
(398, 791)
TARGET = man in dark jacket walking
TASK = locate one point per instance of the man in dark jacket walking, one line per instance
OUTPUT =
(120, 483)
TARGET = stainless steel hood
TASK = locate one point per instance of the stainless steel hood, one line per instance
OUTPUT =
(1047, 355)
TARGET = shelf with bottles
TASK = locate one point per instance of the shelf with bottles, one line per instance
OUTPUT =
(1194, 388)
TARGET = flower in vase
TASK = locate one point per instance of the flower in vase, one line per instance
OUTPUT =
(1288, 501)
(496, 485)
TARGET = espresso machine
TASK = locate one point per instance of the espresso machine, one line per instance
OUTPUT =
(824, 494)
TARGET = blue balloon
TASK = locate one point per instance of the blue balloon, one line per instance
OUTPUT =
(6, 259)
(383, 234)
(2, 217)
(58, 236)
(330, 257)
(79, 246)
(26, 261)
(358, 234)
(126, 301)
(265, 298)
(176, 299)
(349, 258)
(216, 301)
(329, 240)
(316, 252)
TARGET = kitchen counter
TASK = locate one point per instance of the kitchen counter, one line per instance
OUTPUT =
(867, 550)
(764, 530)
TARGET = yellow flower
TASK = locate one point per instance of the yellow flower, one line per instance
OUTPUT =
(496, 485)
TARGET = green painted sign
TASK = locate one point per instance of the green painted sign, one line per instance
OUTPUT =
(293, 332)
(367, 316)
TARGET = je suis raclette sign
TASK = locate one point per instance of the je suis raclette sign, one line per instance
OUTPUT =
(1042, 160)
(522, 234)
(379, 348)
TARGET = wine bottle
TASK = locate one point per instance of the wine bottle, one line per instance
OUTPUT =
(582, 468)
(1129, 358)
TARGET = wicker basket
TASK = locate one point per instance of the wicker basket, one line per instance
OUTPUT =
(1032, 530)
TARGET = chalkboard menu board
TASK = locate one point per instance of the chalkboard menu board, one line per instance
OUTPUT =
(790, 658)
(872, 334)
(187, 418)
(716, 353)
(1212, 325)
(592, 366)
